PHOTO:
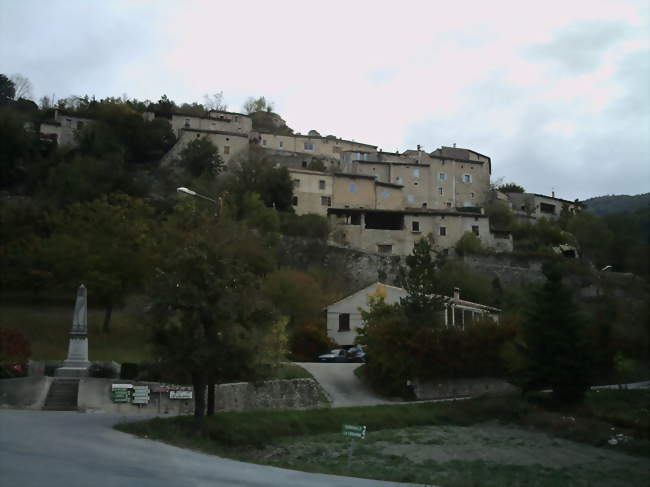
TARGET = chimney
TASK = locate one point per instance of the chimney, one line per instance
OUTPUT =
(456, 293)
(553, 194)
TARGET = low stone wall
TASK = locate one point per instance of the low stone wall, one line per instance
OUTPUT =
(461, 388)
(24, 392)
(95, 396)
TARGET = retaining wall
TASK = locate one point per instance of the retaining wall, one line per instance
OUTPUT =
(24, 392)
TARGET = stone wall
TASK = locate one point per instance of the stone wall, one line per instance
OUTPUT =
(461, 388)
(510, 269)
(355, 268)
(95, 396)
(24, 392)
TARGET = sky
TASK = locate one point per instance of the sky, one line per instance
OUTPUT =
(557, 93)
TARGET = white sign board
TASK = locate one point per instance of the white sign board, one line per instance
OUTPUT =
(180, 394)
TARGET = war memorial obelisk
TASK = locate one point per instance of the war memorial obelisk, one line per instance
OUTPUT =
(76, 365)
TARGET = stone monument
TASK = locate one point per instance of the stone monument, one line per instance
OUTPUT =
(76, 365)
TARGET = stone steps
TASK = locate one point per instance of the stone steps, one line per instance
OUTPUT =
(62, 395)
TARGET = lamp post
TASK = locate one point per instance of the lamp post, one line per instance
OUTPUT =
(218, 203)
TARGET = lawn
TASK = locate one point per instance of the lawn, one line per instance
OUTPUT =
(48, 324)
(499, 440)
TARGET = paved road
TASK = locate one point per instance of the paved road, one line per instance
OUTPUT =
(344, 388)
(70, 449)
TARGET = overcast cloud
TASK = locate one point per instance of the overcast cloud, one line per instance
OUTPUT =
(557, 93)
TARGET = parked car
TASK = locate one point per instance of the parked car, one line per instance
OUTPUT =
(357, 354)
(336, 355)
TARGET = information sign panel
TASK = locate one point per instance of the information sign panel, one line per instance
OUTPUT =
(180, 394)
(354, 431)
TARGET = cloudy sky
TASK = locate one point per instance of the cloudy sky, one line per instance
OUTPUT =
(557, 93)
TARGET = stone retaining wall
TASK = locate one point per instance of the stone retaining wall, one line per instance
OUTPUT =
(24, 392)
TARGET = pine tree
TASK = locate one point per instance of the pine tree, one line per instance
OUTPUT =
(557, 352)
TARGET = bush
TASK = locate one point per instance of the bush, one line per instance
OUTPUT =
(15, 349)
(129, 371)
(469, 244)
(310, 225)
(310, 341)
(102, 371)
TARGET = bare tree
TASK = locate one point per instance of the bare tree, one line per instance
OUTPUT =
(23, 86)
(215, 102)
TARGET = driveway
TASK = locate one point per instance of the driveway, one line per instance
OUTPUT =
(73, 449)
(344, 388)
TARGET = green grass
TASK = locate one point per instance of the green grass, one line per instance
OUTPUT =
(311, 441)
(47, 325)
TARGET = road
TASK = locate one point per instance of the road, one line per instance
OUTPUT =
(344, 388)
(72, 449)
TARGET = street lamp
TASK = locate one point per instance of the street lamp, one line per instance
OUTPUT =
(194, 193)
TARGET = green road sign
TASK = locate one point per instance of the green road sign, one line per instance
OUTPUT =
(353, 431)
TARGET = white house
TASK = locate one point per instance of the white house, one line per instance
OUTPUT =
(344, 316)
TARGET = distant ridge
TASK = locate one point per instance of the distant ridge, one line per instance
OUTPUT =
(605, 205)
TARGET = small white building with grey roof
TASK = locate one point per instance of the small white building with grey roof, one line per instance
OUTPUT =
(344, 316)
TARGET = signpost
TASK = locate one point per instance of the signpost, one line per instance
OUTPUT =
(353, 431)
(140, 395)
(120, 393)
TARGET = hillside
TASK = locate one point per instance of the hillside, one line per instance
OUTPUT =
(605, 205)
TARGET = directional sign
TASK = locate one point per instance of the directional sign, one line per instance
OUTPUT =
(120, 395)
(354, 431)
(140, 395)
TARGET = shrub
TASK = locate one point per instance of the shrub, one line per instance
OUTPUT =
(309, 341)
(310, 225)
(129, 371)
(15, 349)
(469, 244)
(102, 371)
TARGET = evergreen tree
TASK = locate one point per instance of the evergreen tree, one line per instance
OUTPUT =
(557, 353)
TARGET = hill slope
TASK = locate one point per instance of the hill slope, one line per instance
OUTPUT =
(605, 205)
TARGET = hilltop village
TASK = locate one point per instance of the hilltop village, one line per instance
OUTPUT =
(374, 200)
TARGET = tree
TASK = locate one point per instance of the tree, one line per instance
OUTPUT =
(511, 188)
(556, 353)
(200, 157)
(254, 173)
(296, 295)
(215, 102)
(7, 90)
(208, 315)
(252, 105)
(23, 87)
(105, 244)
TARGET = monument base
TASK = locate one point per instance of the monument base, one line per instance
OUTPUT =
(72, 371)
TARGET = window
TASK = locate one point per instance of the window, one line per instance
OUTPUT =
(281, 144)
(475, 229)
(442, 176)
(264, 142)
(321, 184)
(353, 188)
(410, 198)
(415, 227)
(415, 183)
(467, 178)
(309, 145)
(440, 190)
(296, 183)
(443, 231)
(385, 194)
(304, 163)
(294, 201)
(226, 149)
(416, 173)
(80, 125)
(472, 195)
(187, 122)
(546, 208)
(384, 249)
(213, 125)
(325, 201)
(344, 322)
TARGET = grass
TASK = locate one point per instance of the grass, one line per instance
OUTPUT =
(47, 325)
(311, 441)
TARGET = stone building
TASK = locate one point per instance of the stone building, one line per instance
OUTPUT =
(63, 128)
(532, 206)
(309, 144)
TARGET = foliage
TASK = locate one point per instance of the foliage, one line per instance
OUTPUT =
(511, 188)
(15, 350)
(7, 89)
(556, 352)
(469, 243)
(200, 157)
(473, 286)
(18, 146)
(501, 217)
(273, 349)
(208, 314)
(310, 340)
(309, 225)
(316, 165)
(254, 173)
(92, 242)
(260, 104)
(605, 205)
(102, 371)
(295, 294)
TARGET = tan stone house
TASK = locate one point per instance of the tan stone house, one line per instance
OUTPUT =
(63, 128)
